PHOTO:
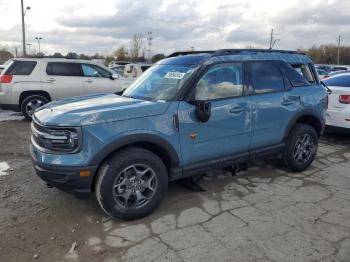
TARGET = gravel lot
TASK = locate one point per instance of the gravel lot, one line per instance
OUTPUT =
(263, 214)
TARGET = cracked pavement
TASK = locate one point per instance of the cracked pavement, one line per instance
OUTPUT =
(262, 214)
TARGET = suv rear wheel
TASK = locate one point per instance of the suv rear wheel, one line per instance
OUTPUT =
(131, 183)
(301, 148)
(31, 103)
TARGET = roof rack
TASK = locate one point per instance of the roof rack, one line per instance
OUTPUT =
(222, 52)
(190, 53)
(237, 51)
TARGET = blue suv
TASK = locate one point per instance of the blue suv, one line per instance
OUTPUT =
(187, 114)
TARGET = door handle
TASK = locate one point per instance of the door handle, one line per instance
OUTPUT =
(89, 81)
(236, 109)
(286, 101)
(51, 80)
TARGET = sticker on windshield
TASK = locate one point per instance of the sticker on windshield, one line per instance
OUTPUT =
(174, 75)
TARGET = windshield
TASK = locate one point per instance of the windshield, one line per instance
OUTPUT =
(160, 82)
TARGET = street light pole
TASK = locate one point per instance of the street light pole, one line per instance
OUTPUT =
(29, 48)
(38, 39)
(23, 13)
(23, 31)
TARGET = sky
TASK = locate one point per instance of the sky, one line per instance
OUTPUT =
(85, 26)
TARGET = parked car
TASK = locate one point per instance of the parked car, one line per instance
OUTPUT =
(116, 63)
(340, 68)
(133, 71)
(28, 83)
(2, 67)
(338, 113)
(186, 115)
(119, 69)
(322, 74)
(326, 68)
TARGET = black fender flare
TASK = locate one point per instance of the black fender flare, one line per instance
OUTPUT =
(299, 115)
(137, 138)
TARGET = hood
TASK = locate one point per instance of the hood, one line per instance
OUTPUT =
(98, 108)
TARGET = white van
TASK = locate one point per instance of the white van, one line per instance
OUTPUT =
(26, 83)
(133, 71)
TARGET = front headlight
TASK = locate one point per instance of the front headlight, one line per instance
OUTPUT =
(56, 139)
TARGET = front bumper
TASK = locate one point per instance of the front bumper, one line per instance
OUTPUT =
(65, 178)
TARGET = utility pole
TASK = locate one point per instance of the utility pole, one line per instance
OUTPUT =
(271, 38)
(23, 31)
(149, 40)
(338, 51)
(23, 13)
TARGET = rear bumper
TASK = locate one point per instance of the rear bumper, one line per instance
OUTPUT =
(340, 119)
(336, 129)
(9, 107)
(7, 101)
(65, 178)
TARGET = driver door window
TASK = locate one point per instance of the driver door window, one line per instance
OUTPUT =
(98, 80)
(220, 81)
(94, 71)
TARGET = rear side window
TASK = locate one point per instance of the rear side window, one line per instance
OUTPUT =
(266, 77)
(64, 69)
(295, 78)
(21, 68)
(305, 71)
(339, 80)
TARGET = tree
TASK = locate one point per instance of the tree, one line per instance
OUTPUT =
(5, 55)
(84, 57)
(136, 47)
(121, 54)
(40, 54)
(57, 55)
(157, 57)
(327, 54)
(72, 55)
(96, 56)
(108, 59)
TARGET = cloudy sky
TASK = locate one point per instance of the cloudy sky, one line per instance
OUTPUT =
(86, 26)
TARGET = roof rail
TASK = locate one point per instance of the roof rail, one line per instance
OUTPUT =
(237, 51)
(190, 53)
(222, 52)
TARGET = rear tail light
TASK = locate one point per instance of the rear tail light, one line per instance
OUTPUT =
(5, 79)
(344, 99)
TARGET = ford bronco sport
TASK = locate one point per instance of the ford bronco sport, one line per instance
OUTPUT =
(187, 114)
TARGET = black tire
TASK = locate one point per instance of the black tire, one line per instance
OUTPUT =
(297, 156)
(36, 101)
(113, 170)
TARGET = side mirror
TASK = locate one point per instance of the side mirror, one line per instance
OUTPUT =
(114, 76)
(202, 111)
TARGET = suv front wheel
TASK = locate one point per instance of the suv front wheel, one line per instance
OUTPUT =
(301, 148)
(131, 183)
(31, 103)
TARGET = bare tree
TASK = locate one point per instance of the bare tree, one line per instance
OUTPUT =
(136, 47)
(121, 54)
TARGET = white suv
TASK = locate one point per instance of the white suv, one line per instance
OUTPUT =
(26, 84)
